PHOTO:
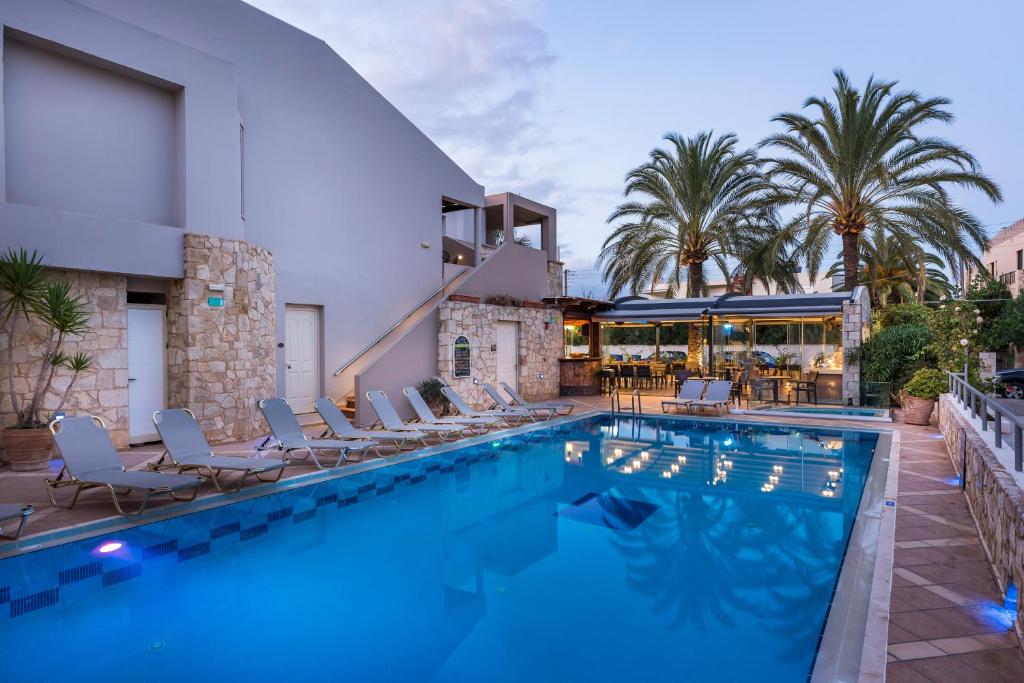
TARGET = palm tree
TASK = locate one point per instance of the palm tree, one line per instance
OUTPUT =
(894, 270)
(862, 163)
(767, 253)
(683, 203)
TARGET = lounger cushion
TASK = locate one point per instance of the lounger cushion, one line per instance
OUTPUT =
(143, 480)
(228, 462)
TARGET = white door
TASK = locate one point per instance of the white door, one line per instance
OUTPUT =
(508, 353)
(147, 370)
(302, 357)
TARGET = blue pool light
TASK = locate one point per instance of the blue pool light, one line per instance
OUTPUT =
(109, 547)
(1010, 603)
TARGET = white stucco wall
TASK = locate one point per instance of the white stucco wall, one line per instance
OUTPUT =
(338, 183)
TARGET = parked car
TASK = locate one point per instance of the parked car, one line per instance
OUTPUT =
(1011, 382)
(667, 356)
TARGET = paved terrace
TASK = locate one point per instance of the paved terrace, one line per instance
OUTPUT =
(946, 621)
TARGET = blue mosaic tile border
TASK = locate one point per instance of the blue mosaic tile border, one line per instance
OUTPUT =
(349, 491)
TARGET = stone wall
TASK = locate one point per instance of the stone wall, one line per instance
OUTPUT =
(856, 327)
(556, 282)
(540, 346)
(996, 501)
(101, 391)
(220, 361)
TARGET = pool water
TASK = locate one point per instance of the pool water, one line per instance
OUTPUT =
(838, 410)
(601, 549)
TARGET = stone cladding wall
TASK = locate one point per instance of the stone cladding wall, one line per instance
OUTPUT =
(996, 500)
(100, 391)
(221, 360)
(540, 346)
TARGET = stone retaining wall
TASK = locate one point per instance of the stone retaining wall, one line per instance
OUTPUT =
(996, 500)
(220, 360)
(540, 346)
(101, 391)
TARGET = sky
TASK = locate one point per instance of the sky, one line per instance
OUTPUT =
(558, 100)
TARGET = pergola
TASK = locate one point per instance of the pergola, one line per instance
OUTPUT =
(732, 323)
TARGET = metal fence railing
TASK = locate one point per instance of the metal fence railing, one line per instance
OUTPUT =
(988, 410)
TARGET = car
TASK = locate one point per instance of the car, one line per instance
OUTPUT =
(669, 356)
(1011, 382)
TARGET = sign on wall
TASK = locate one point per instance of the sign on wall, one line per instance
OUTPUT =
(460, 358)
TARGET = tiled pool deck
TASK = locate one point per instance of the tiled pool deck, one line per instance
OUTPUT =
(946, 618)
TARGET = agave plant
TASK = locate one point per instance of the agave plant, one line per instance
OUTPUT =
(31, 295)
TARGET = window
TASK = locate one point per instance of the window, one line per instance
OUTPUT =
(992, 268)
(1020, 259)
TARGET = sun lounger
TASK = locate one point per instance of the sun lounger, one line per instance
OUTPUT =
(501, 404)
(185, 448)
(519, 402)
(290, 437)
(388, 417)
(91, 461)
(12, 512)
(716, 396)
(339, 427)
(510, 417)
(426, 416)
(690, 391)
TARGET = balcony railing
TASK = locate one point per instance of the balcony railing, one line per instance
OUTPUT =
(981, 406)
(1008, 278)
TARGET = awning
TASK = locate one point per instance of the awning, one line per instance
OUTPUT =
(643, 310)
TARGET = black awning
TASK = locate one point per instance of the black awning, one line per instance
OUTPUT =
(642, 310)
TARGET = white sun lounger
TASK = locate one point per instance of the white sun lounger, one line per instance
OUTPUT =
(545, 413)
(716, 396)
(91, 461)
(185, 448)
(426, 416)
(519, 402)
(388, 417)
(690, 391)
(510, 417)
(339, 427)
(290, 437)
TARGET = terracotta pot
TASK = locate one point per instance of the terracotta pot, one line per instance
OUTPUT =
(28, 450)
(917, 411)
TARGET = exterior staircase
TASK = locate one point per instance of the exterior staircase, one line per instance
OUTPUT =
(347, 406)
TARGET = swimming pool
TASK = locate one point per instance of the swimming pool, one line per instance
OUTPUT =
(823, 412)
(600, 548)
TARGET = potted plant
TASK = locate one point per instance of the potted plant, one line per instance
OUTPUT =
(45, 312)
(920, 393)
(431, 391)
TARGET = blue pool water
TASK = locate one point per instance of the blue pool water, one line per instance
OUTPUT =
(601, 549)
(836, 410)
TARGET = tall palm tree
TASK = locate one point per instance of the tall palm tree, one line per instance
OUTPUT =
(682, 205)
(862, 162)
(891, 270)
(683, 202)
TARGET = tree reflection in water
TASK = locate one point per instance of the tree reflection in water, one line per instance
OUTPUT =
(707, 559)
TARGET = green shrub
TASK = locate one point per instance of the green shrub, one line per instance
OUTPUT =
(431, 391)
(902, 314)
(895, 353)
(927, 383)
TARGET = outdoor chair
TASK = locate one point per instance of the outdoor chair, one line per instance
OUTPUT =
(186, 448)
(644, 377)
(339, 427)
(690, 391)
(290, 438)
(13, 512)
(389, 418)
(545, 413)
(717, 395)
(426, 415)
(513, 416)
(808, 387)
(519, 402)
(91, 461)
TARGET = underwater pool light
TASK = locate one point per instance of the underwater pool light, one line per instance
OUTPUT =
(110, 546)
